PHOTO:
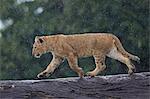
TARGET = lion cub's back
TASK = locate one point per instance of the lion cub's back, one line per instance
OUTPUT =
(87, 43)
(101, 38)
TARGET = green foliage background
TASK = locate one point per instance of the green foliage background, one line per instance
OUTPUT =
(127, 19)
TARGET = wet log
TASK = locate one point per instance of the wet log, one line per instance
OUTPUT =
(120, 86)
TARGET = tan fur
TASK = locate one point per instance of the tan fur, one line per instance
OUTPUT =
(71, 47)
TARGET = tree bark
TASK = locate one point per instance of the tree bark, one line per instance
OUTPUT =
(120, 86)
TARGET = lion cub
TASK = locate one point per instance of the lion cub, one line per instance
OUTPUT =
(71, 47)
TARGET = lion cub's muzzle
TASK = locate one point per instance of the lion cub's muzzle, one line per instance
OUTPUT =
(37, 55)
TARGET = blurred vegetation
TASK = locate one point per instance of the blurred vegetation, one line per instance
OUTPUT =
(127, 19)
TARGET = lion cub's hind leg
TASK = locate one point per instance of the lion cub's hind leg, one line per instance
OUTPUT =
(100, 65)
(115, 54)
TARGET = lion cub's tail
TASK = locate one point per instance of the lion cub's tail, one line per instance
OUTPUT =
(122, 50)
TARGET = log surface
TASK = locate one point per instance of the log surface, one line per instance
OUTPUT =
(120, 86)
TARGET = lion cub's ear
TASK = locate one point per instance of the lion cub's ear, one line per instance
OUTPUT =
(39, 39)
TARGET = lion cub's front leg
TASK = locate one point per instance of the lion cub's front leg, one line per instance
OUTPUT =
(51, 67)
(73, 63)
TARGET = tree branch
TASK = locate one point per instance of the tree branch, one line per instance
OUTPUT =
(120, 86)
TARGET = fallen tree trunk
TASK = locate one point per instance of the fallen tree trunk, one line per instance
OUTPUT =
(120, 86)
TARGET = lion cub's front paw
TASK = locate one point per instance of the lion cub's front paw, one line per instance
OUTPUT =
(81, 74)
(130, 72)
(90, 74)
(43, 74)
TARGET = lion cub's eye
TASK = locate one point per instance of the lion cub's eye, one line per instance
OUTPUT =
(34, 47)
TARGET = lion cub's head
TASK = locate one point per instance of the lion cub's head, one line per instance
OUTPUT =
(39, 46)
